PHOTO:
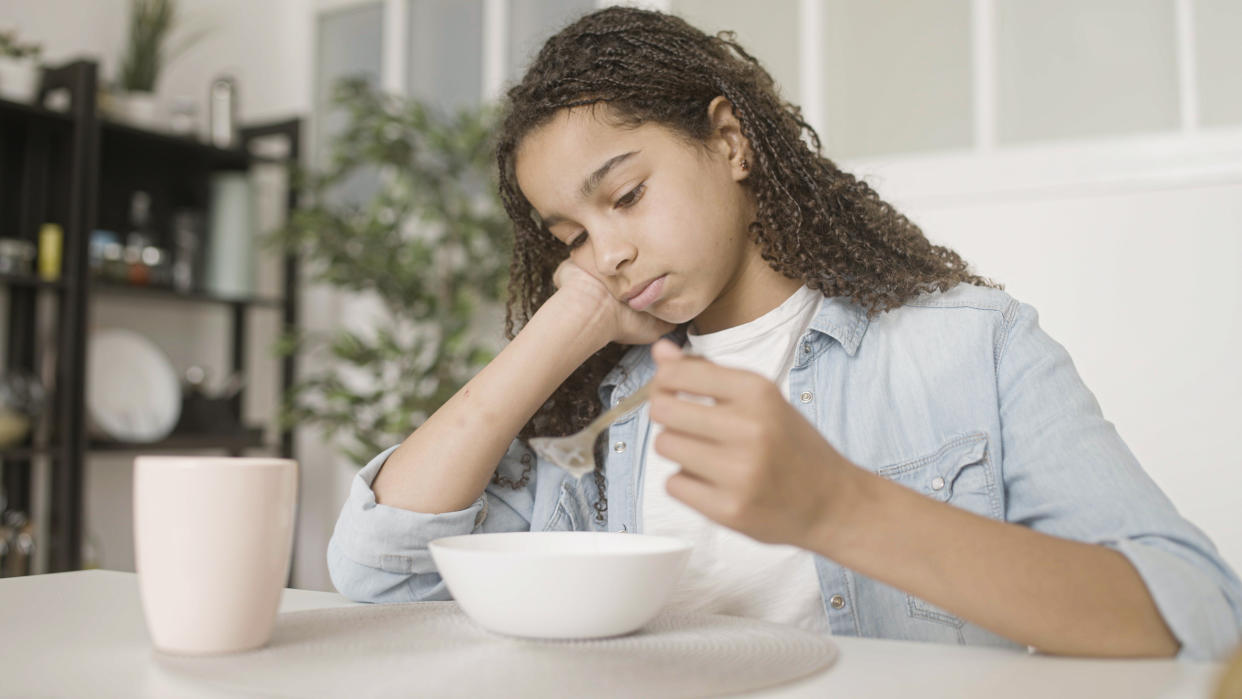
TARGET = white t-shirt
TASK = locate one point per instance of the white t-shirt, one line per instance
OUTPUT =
(728, 572)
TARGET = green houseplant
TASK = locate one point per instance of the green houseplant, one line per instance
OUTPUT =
(146, 53)
(19, 67)
(427, 238)
(13, 47)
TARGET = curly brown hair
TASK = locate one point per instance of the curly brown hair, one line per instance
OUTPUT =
(814, 222)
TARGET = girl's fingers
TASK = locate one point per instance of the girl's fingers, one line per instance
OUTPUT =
(701, 377)
(695, 493)
(698, 457)
(689, 416)
(558, 277)
(665, 350)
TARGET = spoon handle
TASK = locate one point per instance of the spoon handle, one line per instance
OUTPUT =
(627, 404)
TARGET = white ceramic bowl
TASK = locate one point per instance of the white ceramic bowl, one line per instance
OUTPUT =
(560, 584)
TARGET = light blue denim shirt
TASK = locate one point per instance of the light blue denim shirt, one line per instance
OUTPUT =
(959, 396)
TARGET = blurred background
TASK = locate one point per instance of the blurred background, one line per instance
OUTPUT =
(1085, 153)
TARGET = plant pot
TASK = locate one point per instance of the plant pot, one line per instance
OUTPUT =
(19, 78)
(134, 108)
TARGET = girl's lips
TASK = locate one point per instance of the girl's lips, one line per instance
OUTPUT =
(648, 295)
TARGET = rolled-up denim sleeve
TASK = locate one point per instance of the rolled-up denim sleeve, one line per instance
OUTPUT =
(1068, 473)
(378, 553)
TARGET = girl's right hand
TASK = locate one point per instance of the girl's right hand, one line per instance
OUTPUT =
(621, 323)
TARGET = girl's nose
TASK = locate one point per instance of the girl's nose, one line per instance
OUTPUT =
(612, 249)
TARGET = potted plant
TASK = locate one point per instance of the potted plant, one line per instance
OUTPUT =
(427, 240)
(151, 22)
(19, 67)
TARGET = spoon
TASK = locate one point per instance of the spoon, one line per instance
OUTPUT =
(576, 452)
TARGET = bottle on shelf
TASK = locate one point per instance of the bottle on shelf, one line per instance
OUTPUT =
(187, 259)
(222, 112)
(51, 244)
(139, 238)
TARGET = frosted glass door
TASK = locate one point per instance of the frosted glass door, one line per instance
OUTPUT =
(531, 22)
(445, 52)
(897, 76)
(1071, 69)
(768, 31)
(1218, 56)
(349, 42)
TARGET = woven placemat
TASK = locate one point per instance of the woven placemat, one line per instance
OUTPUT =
(432, 649)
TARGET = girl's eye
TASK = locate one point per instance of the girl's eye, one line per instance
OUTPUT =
(632, 196)
(624, 202)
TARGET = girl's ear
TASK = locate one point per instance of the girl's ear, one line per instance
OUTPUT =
(727, 137)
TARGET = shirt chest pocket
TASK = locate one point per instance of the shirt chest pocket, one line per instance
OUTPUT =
(960, 472)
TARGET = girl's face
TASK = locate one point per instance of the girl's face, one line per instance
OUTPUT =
(661, 223)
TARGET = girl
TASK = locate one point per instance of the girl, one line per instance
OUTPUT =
(881, 443)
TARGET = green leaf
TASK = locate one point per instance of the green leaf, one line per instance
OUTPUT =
(428, 237)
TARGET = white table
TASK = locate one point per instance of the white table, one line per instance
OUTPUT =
(83, 634)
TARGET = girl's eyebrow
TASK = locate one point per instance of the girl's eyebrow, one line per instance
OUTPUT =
(591, 183)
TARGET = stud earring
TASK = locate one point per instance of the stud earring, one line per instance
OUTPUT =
(745, 165)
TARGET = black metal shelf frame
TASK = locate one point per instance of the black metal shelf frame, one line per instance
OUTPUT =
(105, 288)
(30, 280)
(187, 146)
(62, 156)
(10, 110)
(250, 438)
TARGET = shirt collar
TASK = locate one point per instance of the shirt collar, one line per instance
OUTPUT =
(842, 320)
(635, 365)
(837, 317)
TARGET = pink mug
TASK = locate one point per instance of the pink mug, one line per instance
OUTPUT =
(213, 538)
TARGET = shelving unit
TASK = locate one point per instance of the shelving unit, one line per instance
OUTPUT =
(77, 169)
(249, 438)
(29, 280)
(101, 287)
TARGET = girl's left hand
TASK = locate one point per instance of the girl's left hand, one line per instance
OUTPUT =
(750, 462)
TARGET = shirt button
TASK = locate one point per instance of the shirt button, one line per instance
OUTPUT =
(837, 601)
(619, 447)
(806, 348)
(938, 483)
(806, 396)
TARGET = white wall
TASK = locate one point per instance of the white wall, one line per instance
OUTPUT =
(263, 43)
(1131, 251)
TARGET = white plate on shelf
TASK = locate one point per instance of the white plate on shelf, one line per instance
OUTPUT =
(132, 391)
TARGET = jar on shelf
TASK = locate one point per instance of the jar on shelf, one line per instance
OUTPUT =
(16, 256)
(183, 116)
(100, 239)
(21, 403)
